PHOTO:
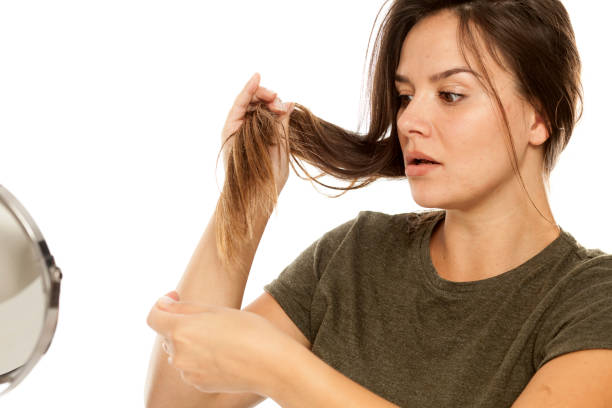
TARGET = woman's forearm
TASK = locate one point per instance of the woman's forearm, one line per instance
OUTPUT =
(302, 380)
(205, 280)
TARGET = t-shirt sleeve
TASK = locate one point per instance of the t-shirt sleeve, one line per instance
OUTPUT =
(582, 316)
(295, 286)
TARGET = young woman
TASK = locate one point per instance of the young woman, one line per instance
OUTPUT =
(485, 302)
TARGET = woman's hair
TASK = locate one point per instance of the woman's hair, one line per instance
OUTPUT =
(532, 39)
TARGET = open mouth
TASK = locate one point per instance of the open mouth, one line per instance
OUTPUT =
(422, 161)
(421, 167)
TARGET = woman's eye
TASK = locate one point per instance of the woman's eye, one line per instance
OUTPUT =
(404, 99)
(450, 97)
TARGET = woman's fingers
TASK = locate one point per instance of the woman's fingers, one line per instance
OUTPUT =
(264, 94)
(245, 101)
(250, 94)
(271, 99)
(278, 106)
(246, 95)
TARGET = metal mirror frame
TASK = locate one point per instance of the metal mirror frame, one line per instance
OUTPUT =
(51, 279)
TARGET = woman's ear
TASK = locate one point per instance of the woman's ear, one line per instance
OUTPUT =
(538, 129)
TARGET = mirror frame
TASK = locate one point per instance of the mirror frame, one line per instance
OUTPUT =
(51, 279)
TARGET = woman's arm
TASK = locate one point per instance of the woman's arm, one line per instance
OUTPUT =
(206, 280)
(302, 380)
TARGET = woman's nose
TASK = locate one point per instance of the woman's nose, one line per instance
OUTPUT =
(415, 117)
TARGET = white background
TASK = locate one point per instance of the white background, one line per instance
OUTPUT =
(110, 120)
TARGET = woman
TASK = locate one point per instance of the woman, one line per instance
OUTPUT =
(485, 303)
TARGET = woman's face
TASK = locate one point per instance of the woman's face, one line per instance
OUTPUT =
(454, 121)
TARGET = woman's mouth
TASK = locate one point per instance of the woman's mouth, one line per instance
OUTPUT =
(420, 167)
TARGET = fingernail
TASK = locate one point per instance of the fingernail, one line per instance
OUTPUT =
(173, 294)
(166, 300)
(279, 105)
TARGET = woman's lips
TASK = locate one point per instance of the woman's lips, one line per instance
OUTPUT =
(413, 170)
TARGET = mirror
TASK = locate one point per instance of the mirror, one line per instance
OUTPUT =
(29, 293)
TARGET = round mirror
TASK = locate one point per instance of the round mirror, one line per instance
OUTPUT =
(29, 293)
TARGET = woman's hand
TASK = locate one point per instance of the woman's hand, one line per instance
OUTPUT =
(251, 94)
(219, 349)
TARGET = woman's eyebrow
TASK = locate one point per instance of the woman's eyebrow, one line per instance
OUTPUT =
(437, 77)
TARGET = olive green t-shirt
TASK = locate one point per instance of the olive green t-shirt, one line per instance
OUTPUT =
(367, 296)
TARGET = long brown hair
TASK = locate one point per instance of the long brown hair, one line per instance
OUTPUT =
(531, 39)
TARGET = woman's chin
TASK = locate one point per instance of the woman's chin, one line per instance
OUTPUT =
(424, 195)
(428, 201)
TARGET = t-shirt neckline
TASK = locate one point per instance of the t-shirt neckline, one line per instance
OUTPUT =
(559, 245)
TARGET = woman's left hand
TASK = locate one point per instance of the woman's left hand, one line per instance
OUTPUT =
(219, 349)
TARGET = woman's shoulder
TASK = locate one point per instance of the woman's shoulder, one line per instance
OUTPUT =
(583, 266)
(585, 256)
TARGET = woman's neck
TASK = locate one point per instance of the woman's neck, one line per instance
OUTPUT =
(466, 248)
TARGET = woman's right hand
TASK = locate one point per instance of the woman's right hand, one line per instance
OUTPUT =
(250, 94)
